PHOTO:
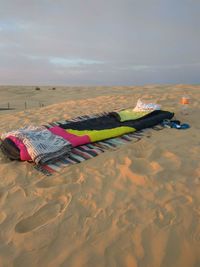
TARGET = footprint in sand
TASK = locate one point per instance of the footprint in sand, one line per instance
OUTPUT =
(171, 212)
(69, 186)
(44, 215)
(46, 182)
(165, 218)
(143, 149)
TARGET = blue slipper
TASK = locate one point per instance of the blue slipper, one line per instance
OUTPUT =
(180, 126)
(175, 124)
(184, 126)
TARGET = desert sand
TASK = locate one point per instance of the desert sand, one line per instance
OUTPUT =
(137, 206)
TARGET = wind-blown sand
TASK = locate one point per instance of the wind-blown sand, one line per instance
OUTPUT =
(138, 206)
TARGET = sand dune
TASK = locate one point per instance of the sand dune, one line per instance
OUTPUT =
(138, 206)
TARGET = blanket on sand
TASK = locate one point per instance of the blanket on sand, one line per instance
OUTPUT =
(49, 143)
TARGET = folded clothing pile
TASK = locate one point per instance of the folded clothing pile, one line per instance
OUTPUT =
(34, 143)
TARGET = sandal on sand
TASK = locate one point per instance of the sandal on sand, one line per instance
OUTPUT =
(185, 126)
(175, 124)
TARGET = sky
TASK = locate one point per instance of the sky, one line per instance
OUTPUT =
(99, 42)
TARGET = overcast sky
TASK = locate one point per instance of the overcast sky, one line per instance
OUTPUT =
(99, 42)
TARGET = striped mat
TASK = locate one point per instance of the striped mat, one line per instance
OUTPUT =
(88, 151)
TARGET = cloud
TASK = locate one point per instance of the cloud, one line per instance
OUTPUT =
(103, 42)
(76, 62)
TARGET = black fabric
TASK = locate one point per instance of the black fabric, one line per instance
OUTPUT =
(103, 122)
(9, 148)
(152, 120)
(111, 121)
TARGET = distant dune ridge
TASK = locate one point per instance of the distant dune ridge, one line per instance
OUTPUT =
(138, 206)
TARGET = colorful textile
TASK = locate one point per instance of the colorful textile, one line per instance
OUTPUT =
(88, 151)
(129, 114)
(97, 135)
(24, 155)
(55, 140)
(41, 144)
(9, 149)
(111, 120)
(70, 137)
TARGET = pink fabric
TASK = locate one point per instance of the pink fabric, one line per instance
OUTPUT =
(72, 138)
(23, 151)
